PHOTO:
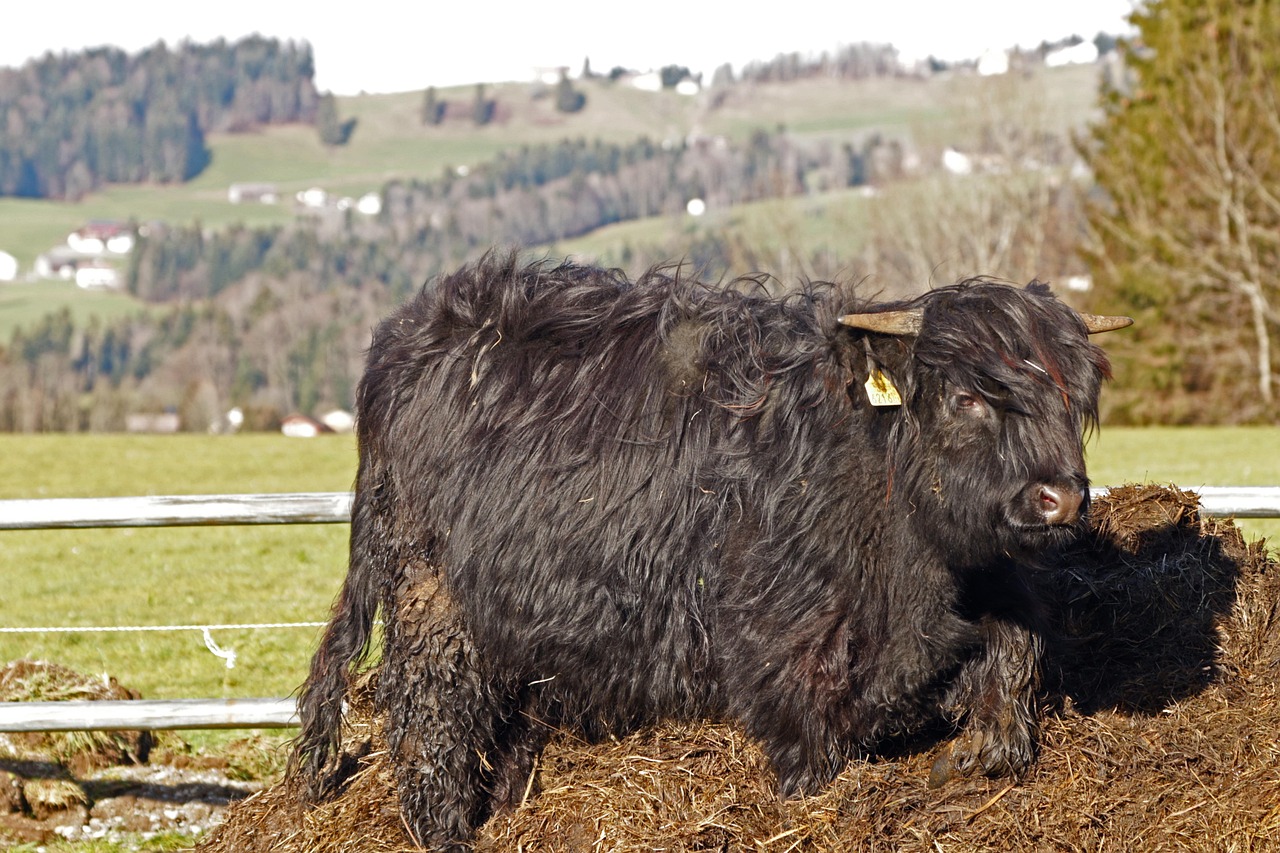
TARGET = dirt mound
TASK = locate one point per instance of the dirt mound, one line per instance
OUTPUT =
(41, 681)
(1161, 734)
(99, 785)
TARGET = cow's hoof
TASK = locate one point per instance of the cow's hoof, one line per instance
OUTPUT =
(981, 752)
(943, 771)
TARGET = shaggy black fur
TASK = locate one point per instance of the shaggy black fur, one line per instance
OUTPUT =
(589, 502)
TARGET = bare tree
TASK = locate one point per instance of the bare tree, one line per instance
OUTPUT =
(1005, 205)
(1188, 154)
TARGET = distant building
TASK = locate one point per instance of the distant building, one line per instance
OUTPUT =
(8, 267)
(252, 193)
(59, 262)
(101, 237)
(956, 162)
(96, 275)
(650, 81)
(339, 420)
(549, 75)
(87, 271)
(90, 256)
(1084, 53)
(162, 422)
(993, 62)
(314, 198)
(228, 423)
(301, 426)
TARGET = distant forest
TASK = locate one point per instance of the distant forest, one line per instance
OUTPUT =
(275, 320)
(532, 195)
(70, 123)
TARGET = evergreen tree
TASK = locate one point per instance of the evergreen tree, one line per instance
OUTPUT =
(483, 109)
(673, 75)
(1184, 234)
(71, 122)
(333, 131)
(568, 99)
(433, 107)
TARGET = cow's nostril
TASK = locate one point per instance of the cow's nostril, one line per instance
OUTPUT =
(1060, 506)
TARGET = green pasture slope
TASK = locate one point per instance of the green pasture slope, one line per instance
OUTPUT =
(25, 304)
(290, 573)
(390, 141)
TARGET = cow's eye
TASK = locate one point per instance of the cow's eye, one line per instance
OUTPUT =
(968, 404)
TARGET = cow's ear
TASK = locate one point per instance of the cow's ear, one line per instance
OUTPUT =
(887, 322)
(1096, 323)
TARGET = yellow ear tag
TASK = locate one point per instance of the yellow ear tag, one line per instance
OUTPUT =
(880, 390)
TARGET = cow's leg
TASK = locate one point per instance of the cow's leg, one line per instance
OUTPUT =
(793, 698)
(995, 696)
(520, 738)
(804, 761)
(441, 712)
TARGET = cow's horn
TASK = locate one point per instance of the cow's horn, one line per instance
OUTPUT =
(1096, 323)
(886, 322)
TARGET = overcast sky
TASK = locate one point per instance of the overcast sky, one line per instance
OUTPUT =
(384, 46)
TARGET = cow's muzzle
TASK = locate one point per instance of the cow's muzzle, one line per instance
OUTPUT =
(1055, 505)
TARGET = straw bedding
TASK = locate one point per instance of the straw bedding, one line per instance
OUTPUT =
(1161, 732)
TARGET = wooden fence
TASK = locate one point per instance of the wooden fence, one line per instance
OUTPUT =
(295, 508)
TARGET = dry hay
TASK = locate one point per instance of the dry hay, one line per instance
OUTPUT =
(1161, 734)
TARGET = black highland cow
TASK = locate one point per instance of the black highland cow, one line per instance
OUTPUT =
(593, 503)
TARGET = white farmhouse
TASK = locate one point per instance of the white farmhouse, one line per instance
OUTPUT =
(250, 192)
(1084, 53)
(314, 198)
(96, 275)
(101, 237)
(993, 62)
(301, 426)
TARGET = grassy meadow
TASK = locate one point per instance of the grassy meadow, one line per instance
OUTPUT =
(25, 305)
(290, 573)
(171, 576)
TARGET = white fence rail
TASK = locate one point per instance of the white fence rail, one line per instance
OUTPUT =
(335, 507)
(176, 511)
(295, 508)
(1237, 501)
(147, 715)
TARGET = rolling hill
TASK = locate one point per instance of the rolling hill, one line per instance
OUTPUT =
(391, 142)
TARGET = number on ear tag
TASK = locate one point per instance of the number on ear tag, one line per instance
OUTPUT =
(880, 390)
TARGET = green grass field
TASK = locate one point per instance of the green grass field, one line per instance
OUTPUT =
(167, 576)
(777, 231)
(287, 573)
(26, 304)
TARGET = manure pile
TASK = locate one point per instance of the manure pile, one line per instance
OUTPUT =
(1161, 732)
